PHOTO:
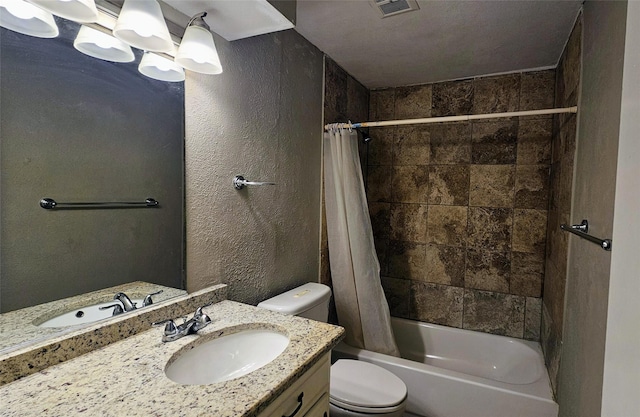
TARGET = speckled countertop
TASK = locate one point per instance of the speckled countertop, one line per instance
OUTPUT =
(127, 377)
(21, 326)
(76, 341)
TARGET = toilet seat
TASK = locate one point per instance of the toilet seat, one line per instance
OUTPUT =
(366, 388)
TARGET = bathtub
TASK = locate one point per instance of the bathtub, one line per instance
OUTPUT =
(461, 373)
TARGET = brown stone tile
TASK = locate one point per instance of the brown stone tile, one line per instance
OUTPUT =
(410, 184)
(551, 342)
(565, 181)
(490, 228)
(569, 67)
(409, 222)
(532, 318)
(357, 100)
(527, 274)
(413, 102)
(381, 147)
(556, 146)
(411, 145)
(446, 225)
(558, 241)
(491, 185)
(445, 265)
(487, 270)
(553, 298)
(529, 231)
(564, 137)
(553, 230)
(496, 94)
(380, 214)
(433, 303)
(382, 248)
(382, 104)
(325, 272)
(397, 293)
(450, 143)
(537, 90)
(534, 141)
(554, 185)
(379, 183)
(406, 260)
(567, 133)
(335, 93)
(452, 98)
(494, 142)
(493, 312)
(532, 187)
(449, 184)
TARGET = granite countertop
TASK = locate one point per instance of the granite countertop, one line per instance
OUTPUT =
(20, 327)
(127, 377)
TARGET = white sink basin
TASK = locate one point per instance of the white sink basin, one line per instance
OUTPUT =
(84, 315)
(226, 357)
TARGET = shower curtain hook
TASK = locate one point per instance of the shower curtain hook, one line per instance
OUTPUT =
(350, 126)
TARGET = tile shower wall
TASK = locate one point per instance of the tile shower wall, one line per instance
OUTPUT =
(562, 162)
(459, 210)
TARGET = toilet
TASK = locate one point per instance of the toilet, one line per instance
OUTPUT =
(357, 388)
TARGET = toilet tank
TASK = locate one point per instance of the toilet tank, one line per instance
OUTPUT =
(310, 300)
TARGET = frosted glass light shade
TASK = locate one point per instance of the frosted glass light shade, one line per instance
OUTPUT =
(197, 51)
(160, 68)
(142, 25)
(100, 45)
(22, 17)
(83, 11)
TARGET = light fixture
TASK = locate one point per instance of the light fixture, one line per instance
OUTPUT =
(160, 68)
(142, 25)
(28, 19)
(83, 11)
(197, 51)
(101, 45)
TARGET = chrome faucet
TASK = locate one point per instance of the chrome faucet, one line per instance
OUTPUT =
(117, 309)
(147, 300)
(172, 332)
(126, 301)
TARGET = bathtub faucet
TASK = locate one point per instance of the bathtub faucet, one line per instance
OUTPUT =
(172, 332)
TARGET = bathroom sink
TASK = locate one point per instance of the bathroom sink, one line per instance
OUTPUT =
(227, 357)
(84, 315)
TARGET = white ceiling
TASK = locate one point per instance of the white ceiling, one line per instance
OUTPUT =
(444, 40)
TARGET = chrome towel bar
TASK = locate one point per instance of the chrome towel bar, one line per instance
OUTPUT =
(582, 229)
(50, 204)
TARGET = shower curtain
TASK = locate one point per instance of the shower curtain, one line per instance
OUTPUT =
(355, 271)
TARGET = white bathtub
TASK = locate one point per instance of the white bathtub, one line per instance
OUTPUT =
(461, 373)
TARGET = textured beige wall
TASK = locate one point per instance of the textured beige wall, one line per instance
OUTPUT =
(261, 118)
(622, 361)
(581, 365)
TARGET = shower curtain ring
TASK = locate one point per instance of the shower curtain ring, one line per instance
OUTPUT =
(350, 126)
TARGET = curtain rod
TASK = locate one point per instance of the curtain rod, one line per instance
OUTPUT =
(452, 118)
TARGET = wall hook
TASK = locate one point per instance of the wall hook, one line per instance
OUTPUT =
(239, 182)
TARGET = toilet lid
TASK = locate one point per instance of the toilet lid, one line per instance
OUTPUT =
(362, 384)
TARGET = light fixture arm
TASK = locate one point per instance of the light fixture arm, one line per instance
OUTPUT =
(198, 20)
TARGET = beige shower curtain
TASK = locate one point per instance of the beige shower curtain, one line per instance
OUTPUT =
(355, 271)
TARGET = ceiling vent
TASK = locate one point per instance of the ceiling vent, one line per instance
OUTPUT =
(393, 7)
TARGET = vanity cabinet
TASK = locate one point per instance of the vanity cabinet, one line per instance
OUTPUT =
(307, 397)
